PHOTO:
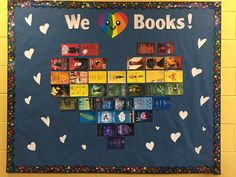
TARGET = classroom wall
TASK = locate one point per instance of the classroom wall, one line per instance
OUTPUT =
(228, 119)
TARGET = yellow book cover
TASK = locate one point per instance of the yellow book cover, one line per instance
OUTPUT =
(173, 76)
(116, 77)
(97, 76)
(136, 76)
(154, 76)
(78, 90)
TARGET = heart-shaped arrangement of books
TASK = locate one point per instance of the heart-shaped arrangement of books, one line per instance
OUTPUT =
(115, 100)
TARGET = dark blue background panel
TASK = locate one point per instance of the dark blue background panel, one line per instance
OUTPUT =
(50, 151)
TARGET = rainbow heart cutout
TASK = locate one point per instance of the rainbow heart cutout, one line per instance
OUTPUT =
(112, 24)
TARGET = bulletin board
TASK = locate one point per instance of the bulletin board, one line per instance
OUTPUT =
(114, 87)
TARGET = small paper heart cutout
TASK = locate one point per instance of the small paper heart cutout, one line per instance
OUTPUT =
(37, 78)
(196, 71)
(183, 114)
(84, 146)
(63, 138)
(44, 28)
(175, 136)
(46, 120)
(150, 145)
(28, 19)
(203, 129)
(157, 128)
(27, 100)
(198, 149)
(31, 146)
(29, 53)
(201, 42)
(203, 100)
(112, 24)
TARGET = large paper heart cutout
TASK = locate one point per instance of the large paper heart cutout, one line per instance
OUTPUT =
(37, 78)
(112, 24)
(29, 19)
(46, 120)
(198, 149)
(150, 145)
(44, 28)
(196, 71)
(203, 100)
(29, 53)
(183, 114)
(62, 138)
(175, 136)
(28, 100)
(84, 146)
(201, 42)
(31, 146)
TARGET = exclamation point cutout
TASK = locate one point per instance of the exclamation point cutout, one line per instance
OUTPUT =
(190, 17)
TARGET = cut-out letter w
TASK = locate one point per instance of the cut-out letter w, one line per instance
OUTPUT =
(72, 21)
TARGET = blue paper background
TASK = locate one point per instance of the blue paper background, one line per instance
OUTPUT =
(50, 151)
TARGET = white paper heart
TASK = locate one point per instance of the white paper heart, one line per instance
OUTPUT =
(29, 53)
(46, 120)
(31, 146)
(201, 42)
(204, 129)
(37, 78)
(150, 145)
(29, 19)
(198, 149)
(183, 114)
(63, 138)
(157, 128)
(175, 136)
(196, 71)
(203, 100)
(28, 99)
(44, 28)
(84, 146)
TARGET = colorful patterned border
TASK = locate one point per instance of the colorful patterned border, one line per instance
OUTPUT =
(11, 167)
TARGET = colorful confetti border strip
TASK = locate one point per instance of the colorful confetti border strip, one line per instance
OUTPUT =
(11, 167)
